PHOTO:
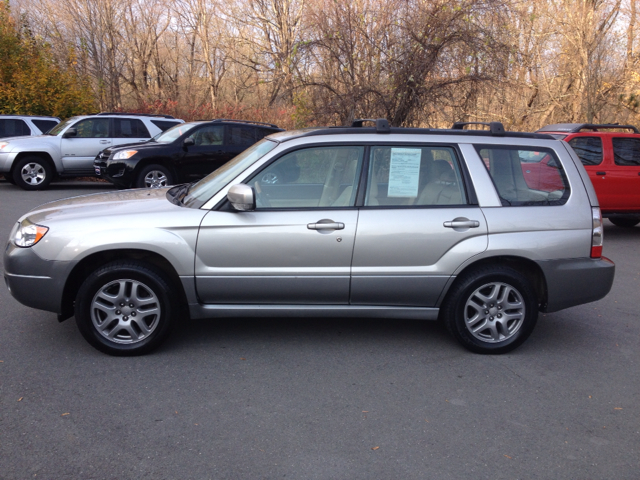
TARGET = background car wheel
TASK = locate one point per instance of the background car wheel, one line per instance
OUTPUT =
(154, 176)
(625, 222)
(125, 308)
(32, 173)
(491, 310)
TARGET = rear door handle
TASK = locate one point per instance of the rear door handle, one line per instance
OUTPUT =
(462, 224)
(601, 173)
(105, 141)
(325, 225)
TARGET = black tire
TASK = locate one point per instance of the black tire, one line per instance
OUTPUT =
(32, 173)
(154, 176)
(126, 308)
(508, 315)
(9, 178)
(625, 222)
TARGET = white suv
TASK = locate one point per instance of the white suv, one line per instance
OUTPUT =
(26, 125)
(68, 149)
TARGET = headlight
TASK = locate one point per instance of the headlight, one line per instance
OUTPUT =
(28, 234)
(124, 154)
(3, 144)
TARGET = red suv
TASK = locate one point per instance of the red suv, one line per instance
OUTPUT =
(611, 155)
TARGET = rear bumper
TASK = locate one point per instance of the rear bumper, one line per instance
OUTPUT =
(576, 281)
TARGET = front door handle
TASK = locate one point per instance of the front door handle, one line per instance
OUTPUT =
(462, 224)
(325, 224)
(601, 173)
(105, 141)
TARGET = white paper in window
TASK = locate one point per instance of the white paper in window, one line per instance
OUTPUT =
(404, 172)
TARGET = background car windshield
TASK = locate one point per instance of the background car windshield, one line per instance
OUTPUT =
(61, 126)
(206, 188)
(174, 132)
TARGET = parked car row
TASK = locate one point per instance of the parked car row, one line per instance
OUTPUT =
(355, 221)
(152, 151)
(70, 147)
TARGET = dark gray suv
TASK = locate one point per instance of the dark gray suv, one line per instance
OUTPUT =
(370, 222)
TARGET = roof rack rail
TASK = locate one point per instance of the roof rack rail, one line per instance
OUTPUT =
(29, 116)
(496, 128)
(137, 114)
(577, 127)
(244, 121)
(382, 125)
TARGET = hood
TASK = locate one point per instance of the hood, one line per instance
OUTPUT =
(126, 146)
(27, 141)
(105, 206)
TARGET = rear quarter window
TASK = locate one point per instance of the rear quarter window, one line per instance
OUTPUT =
(525, 175)
(164, 124)
(44, 125)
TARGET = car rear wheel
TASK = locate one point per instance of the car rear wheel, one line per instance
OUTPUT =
(125, 308)
(491, 310)
(154, 176)
(625, 222)
(32, 173)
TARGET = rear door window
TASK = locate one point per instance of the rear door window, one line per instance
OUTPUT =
(130, 128)
(13, 127)
(414, 175)
(588, 149)
(626, 151)
(240, 135)
(525, 175)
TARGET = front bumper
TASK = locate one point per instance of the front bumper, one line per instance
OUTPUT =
(33, 281)
(576, 281)
(6, 161)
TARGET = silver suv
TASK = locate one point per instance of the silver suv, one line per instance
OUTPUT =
(69, 148)
(367, 222)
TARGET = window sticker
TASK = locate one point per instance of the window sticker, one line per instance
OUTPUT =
(404, 172)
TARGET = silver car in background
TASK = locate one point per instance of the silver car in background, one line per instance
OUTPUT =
(370, 222)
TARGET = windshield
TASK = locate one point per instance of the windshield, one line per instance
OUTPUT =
(61, 126)
(174, 132)
(206, 188)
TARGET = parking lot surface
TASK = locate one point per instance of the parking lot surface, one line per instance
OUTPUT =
(323, 399)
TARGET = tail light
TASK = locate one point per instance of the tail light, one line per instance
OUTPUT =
(597, 233)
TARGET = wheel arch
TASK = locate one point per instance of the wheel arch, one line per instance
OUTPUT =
(528, 268)
(162, 161)
(96, 260)
(46, 156)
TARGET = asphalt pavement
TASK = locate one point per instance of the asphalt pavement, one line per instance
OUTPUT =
(323, 399)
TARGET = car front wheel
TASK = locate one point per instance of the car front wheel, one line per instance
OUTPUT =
(154, 176)
(125, 308)
(491, 310)
(32, 173)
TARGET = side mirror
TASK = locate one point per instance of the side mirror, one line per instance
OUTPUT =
(242, 197)
(188, 142)
(72, 132)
